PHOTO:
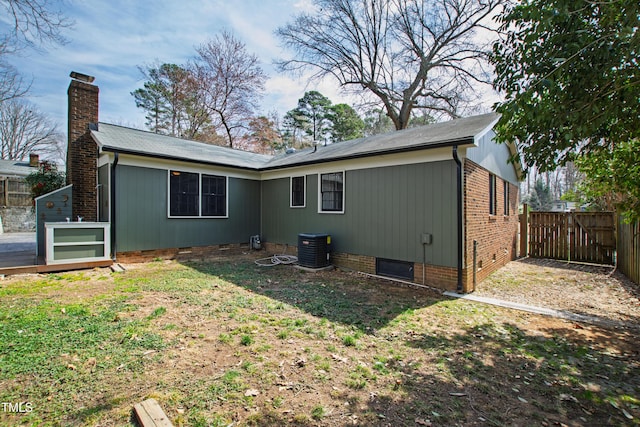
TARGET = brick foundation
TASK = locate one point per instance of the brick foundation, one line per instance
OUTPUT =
(362, 263)
(183, 254)
(435, 276)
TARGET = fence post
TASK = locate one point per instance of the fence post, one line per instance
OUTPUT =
(524, 230)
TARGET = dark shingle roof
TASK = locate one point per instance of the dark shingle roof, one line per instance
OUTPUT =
(460, 131)
(132, 141)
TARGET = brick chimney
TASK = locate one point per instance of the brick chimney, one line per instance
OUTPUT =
(82, 151)
(34, 160)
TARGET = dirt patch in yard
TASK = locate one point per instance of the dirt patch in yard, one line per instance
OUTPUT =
(592, 290)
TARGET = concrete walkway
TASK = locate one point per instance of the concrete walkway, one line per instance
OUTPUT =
(561, 314)
(17, 249)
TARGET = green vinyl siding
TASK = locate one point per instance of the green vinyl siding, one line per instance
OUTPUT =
(142, 222)
(386, 211)
(103, 193)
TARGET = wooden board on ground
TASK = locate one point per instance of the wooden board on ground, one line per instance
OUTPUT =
(150, 414)
(53, 268)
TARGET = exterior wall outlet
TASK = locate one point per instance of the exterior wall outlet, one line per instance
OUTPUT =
(427, 238)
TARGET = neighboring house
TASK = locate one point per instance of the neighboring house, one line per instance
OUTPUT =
(409, 203)
(564, 206)
(15, 198)
(18, 168)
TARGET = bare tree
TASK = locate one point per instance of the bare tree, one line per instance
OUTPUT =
(12, 85)
(24, 130)
(232, 83)
(34, 22)
(31, 23)
(408, 54)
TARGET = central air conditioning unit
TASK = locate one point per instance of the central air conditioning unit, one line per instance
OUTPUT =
(313, 250)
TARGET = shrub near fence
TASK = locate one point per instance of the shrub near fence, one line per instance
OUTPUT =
(629, 250)
(14, 192)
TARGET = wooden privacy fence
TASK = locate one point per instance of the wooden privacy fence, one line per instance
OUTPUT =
(629, 250)
(14, 192)
(573, 236)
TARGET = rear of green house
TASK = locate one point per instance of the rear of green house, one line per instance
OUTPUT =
(408, 204)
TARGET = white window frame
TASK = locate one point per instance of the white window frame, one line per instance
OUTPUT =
(226, 179)
(304, 192)
(344, 191)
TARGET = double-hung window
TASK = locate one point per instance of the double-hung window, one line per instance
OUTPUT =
(214, 195)
(298, 187)
(197, 195)
(184, 191)
(332, 192)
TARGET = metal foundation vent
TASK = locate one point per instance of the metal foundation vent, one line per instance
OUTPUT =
(394, 268)
(313, 250)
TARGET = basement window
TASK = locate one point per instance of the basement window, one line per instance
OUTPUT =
(195, 195)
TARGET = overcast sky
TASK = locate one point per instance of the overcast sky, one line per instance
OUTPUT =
(111, 38)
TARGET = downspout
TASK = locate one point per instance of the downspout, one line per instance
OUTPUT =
(112, 216)
(459, 287)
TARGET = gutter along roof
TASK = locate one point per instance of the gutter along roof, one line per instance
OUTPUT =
(131, 141)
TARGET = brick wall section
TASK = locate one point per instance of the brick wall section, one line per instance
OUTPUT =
(362, 263)
(436, 276)
(496, 234)
(82, 151)
(279, 249)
